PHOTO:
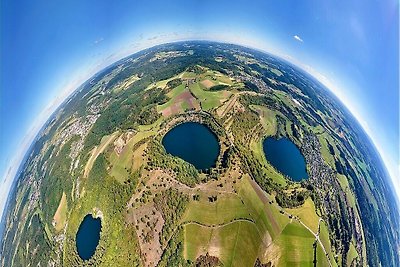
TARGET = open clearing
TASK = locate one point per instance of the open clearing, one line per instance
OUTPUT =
(207, 83)
(180, 100)
(61, 214)
(122, 164)
(297, 246)
(234, 227)
(209, 99)
(225, 209)
(307, 215)
(105, 141)
(235, 244)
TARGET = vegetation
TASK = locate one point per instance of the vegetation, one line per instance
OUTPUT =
(101, 154)
(158, 158)
(171, 203)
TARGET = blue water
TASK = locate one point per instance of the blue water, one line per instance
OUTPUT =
(284, 155)
(88, 236)
(194, 143)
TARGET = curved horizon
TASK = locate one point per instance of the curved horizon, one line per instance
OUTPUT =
(10, 174)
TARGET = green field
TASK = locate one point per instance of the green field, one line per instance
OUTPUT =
(235, 244)
(208, 99)
(307, 215)
(225, 209)
(352, 254)
(122, 164)
(324, 237)
(297, 243)
(234, 225)
(171, 95)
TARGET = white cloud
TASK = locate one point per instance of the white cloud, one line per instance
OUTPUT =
(96, 42)
(296, 37)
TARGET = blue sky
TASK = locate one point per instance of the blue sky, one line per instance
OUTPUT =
(47, 48)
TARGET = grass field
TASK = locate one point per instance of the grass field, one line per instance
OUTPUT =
(344, 183)
(267, 117)
(125, 84)
(216, 78)
(352, 254)
(105, 141)
(321, 257)
(324, 237)
(225, 209)
(155, 126)
(188, 75)
(235, 244)
(241, 243)
(161, 84)
(297, 243)
(122, 164)
(267, 217)
(325, 151)
(234, 226)
(197, 240)
(138, 157)
(307, 215)
(61, 214)
(180, 100)
(208, 99)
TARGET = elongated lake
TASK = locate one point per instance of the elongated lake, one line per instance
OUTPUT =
(88, 236)
(194, 143)
(284, 155)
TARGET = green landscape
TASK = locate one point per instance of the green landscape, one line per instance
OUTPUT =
(102, 154)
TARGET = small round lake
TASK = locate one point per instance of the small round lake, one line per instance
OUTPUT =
(194, 143)
(88, 236)
(284, 155)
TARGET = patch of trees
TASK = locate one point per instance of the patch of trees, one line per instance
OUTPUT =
(218, 87)
(291, 200)
(251, 86)
(137, 109)
(254, 168)
(35, 235)
(171, 204)
(259, 264)
(111, 118)
(110, 196)
(56, 181)
(330, 147)
(281, 126)
(196, 69)
(158, 158)
(148, 115)
(212, 198)
(173, 253)
(243, 123)
(294, 131)
(174, 83)
(226, 158)
(208, 261)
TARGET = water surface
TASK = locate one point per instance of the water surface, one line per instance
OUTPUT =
(284, 155)
(88, 236)
(194, 143)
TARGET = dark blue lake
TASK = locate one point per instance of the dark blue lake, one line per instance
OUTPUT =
(284, 155)
(194, 143)
(88, 236)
